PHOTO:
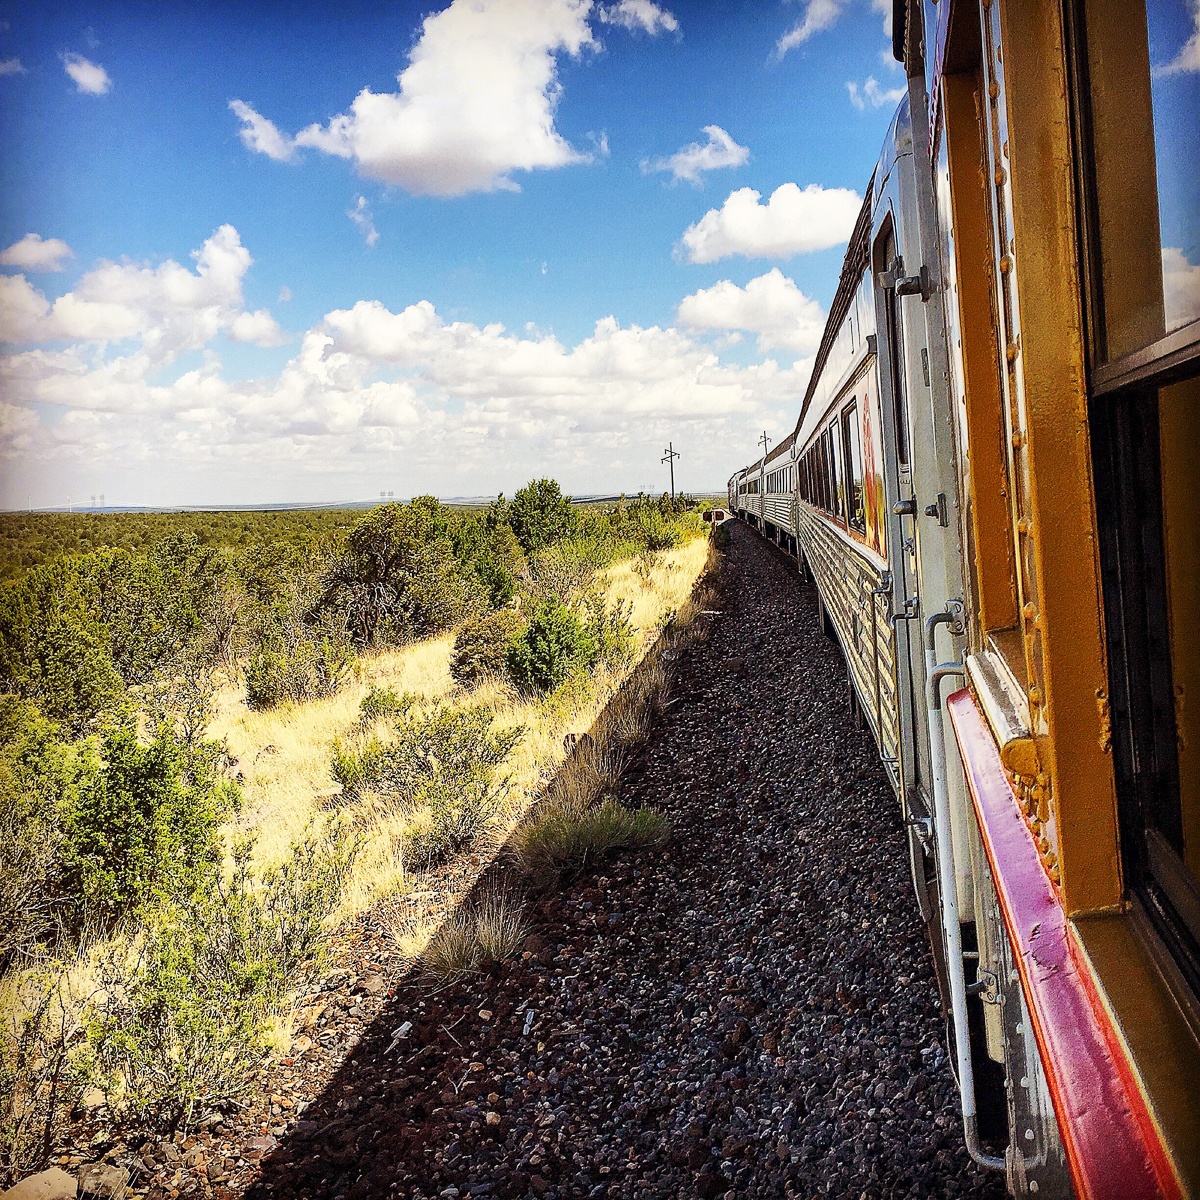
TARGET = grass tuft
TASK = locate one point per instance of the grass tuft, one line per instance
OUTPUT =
(491, 930)
(561, 838)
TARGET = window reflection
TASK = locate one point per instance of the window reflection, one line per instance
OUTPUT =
(1174, 34)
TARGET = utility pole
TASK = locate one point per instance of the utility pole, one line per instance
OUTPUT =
(764, 442)
(670, 454)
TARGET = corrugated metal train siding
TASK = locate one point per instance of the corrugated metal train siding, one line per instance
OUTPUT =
(778, 510)
(847, 580)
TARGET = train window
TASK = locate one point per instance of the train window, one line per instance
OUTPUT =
(1136, 90)
(852, 456)
(838, 472)
(1139, 94)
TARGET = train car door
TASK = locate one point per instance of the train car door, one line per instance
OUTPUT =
(900, 509)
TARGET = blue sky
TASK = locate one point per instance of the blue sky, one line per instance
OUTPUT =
(193, 315)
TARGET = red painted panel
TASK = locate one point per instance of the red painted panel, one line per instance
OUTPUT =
(1112, 1144)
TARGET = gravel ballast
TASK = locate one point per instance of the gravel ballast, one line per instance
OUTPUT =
(749, 1011)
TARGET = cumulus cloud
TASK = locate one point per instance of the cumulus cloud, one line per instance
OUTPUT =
(12, 66)
(258, 328)
(365, 384)
(90, 78)
(475, 103)
(820, 15)
(360, 214)
(1181, 288)
(168, 309)
(793, 221)
(772, 306)
(1188, 58)
(689, 163)
(262, 136)
(35, 253)
(639, 15)
(872, 94)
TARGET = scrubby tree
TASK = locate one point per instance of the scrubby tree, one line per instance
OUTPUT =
(541, 515)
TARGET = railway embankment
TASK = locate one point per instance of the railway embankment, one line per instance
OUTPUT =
(749, 1011)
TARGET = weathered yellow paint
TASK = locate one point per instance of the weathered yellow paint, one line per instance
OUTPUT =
(995, 572)
(1179, 436)
(1064, 647)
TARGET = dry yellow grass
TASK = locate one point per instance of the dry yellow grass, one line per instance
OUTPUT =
(284, 753)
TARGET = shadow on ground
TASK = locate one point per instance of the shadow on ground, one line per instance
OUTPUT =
(748, 1012)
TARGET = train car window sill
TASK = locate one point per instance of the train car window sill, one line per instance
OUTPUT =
(1157, 1018)
(1006, 648)
(1004, 708)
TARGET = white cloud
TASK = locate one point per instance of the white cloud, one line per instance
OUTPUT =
(90, 78)
(874, 95)
(771, 306)
(23, 309)
(820, 15)
(1188, 58)
(262, 136)
(475, 104)
(258, 327)
(719, 151)
(638, 14)
(360, 214)
(168, 309)
(1181, 288)
(12, 66)
(35, 253)
(793, 221)
(465, 405)
(285, 294)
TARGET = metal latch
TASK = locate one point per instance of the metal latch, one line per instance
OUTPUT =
(904, 508)
(938, 509)
(906, 285)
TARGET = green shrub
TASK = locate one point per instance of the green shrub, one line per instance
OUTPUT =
(297, 667)
(184, 1018)
(381, 703)
(481, 647)
(141, 823)
(54, 648)
(444, 760)
(396, 576)
(541, 515)
(555, 644)
(560, 837)
(611, 629)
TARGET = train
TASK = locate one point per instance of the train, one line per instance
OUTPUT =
(992, 483)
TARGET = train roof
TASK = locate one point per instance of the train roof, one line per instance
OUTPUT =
(858, 255)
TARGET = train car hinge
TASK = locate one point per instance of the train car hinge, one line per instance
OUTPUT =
(894, 278)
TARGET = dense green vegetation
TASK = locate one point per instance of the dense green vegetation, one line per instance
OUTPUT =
(114, 804)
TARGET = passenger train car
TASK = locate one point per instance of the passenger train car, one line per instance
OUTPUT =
(993, 484)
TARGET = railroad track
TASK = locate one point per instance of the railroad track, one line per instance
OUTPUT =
(749, 1012)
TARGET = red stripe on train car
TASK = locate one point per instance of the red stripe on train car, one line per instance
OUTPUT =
(1109, 1135)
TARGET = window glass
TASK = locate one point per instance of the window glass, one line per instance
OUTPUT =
(1143, 96)
(1174, 31)
(852, 453)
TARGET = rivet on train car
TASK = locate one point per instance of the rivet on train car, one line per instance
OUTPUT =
(1011, 351)
(993, 89)
(1004, 149)
(1006, 264)
(1035, 696)
(1023, 526)
(1001, 176)
(1029, 611)
(1018, 438)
